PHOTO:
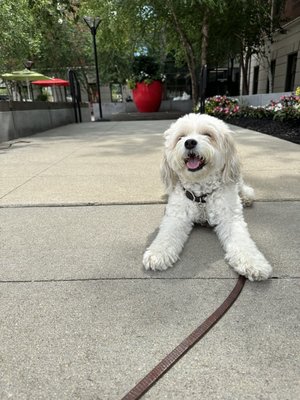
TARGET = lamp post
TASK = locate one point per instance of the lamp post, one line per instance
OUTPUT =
(28, 65)
(93, 23)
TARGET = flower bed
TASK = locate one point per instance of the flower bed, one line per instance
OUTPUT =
(286, 109)
(279, 118)
(286, 130)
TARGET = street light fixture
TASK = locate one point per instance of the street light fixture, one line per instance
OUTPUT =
(93, 23)
(28, 64)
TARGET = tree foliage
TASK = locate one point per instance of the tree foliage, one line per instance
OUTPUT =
(191, 32)
(17, 37)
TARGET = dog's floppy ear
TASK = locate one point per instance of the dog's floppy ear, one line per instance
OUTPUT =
(168, 176)
(231, 170)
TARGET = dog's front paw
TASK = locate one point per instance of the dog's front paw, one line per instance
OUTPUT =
(253, 267)
(158, 260)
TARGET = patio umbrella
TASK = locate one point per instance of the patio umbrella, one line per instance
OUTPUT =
(24, 75)
(52, 82)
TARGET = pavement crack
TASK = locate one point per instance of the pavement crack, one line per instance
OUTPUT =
(112, 279)
(118, 203)
(87, 204)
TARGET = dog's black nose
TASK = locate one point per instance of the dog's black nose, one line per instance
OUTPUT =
(190, 144)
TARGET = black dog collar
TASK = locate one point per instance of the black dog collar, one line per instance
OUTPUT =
(193, 197)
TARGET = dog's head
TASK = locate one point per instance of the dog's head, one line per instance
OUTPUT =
(197, 146)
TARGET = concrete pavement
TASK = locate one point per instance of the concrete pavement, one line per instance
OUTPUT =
(81, 319)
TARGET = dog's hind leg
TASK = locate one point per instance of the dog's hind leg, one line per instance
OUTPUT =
(246, 193)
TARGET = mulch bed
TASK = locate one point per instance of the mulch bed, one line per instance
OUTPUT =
(289, 131)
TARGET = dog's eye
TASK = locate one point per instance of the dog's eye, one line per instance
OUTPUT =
(207, 134)
(179, 138)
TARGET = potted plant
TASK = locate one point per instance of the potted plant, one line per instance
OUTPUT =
(146, 84)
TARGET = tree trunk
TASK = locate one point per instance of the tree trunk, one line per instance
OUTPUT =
(204, 47)
(204, 44)
(269, 49)
(244, 62)
(194, 84)
(189, 54)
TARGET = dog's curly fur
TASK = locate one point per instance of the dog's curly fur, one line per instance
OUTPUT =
(200, 156)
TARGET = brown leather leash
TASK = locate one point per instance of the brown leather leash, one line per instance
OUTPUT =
(157, 372)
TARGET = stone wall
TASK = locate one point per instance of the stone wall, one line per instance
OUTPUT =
(109, 109)
(258, 100)
(18, 119)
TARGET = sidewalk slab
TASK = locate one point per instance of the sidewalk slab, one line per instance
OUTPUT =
(80, 317)
(269, 164)
(89, 340)
(86, 165)
(118, 162)
(109, 241)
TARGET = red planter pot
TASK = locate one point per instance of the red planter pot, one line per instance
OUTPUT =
(147, 98)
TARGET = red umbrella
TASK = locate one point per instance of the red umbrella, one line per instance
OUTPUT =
(52, 82)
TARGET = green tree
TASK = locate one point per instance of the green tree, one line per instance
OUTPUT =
(19, 38)
(248, 25)
(192, 32)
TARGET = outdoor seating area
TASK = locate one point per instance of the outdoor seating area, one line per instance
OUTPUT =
(15, 81)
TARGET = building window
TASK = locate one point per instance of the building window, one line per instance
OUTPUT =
(255, 79)
(272, 69)
(290, 72)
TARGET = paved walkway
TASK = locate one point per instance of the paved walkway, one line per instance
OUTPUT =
(81, 319)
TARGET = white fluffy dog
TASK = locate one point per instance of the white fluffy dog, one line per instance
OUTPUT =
(201, 173)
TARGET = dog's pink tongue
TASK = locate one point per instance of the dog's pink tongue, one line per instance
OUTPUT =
(193, 163)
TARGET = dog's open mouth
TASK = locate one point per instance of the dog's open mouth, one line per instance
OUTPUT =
(194, 162)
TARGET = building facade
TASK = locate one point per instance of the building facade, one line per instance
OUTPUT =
(279, 70)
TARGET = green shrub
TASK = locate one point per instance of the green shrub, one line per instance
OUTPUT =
(42, 97)
(144, 69)
(254, 112)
